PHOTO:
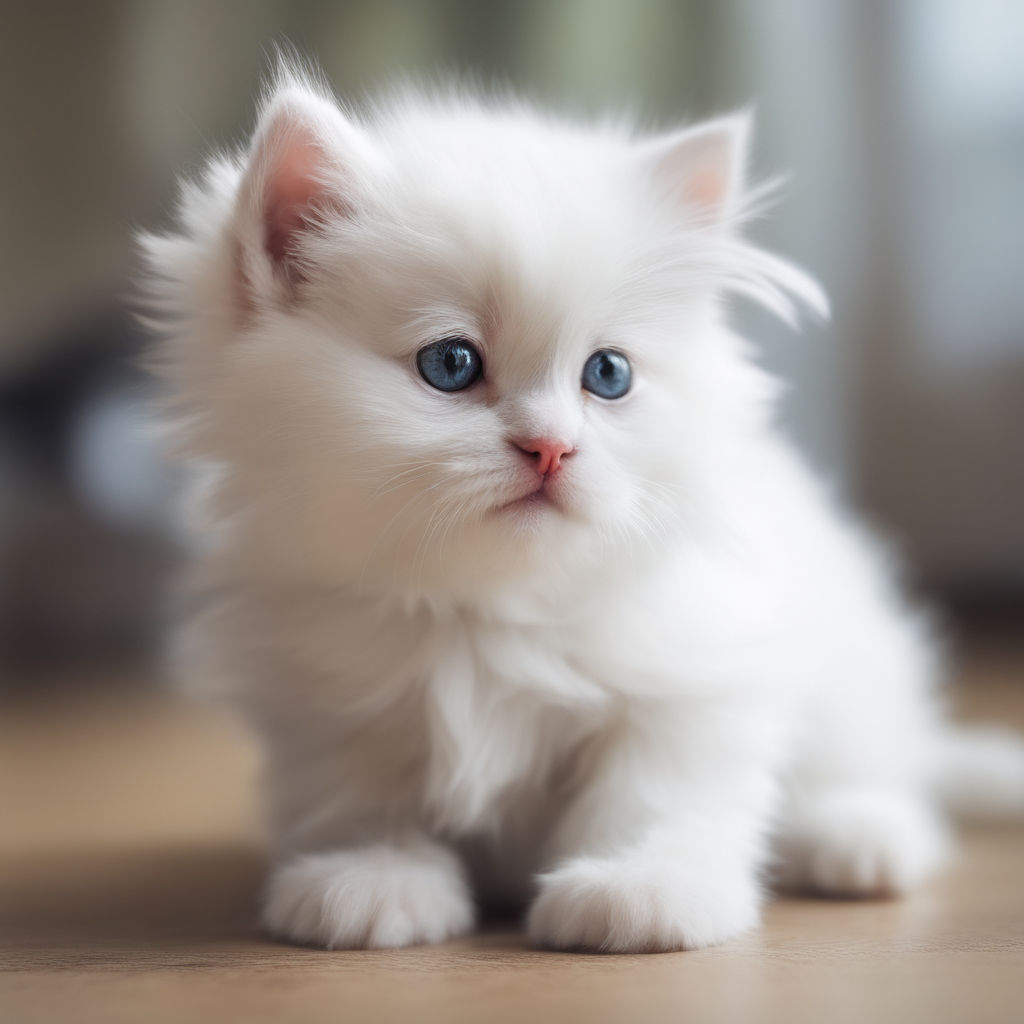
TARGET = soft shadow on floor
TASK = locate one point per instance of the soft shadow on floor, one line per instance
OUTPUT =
(100, 904)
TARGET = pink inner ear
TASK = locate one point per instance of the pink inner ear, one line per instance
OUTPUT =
(703, 168)
(293, 192)
(706, 188)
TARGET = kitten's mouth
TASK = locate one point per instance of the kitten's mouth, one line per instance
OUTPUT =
(537, 499)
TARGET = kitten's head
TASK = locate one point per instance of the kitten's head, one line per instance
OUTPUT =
(452, 342)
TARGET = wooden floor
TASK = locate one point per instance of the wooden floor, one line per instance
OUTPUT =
(130, 870)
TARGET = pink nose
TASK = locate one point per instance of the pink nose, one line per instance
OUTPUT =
(546, 453)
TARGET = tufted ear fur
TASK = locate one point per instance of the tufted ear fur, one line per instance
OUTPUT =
(306, 166)
(704, 168)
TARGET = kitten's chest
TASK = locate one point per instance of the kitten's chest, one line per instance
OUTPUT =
(506, 711)
(470, 723)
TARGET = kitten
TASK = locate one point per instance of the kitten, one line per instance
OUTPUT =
(503, 555)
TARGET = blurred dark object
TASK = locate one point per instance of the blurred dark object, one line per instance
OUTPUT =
(83, 544)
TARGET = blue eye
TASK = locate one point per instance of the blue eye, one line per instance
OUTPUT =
(451, 364)
(607, 374)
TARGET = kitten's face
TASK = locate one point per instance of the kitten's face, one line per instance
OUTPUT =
(492, 353)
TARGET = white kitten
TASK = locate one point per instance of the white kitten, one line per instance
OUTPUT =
(504, 557)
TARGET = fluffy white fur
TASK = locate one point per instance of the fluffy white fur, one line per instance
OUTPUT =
(620, 706)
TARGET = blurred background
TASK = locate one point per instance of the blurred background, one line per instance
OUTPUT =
(901, 125)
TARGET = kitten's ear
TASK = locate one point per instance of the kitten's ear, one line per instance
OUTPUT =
(306, 166)
(704, 168)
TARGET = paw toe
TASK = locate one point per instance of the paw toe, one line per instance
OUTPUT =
(371, 898)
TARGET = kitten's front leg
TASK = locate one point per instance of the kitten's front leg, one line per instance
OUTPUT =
(662, 847)
(370, 896)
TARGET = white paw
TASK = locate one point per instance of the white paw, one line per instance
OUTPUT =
(370, 898)
(862, 844)
(617, 906)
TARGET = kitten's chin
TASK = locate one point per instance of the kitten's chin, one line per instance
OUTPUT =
(532, 518)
